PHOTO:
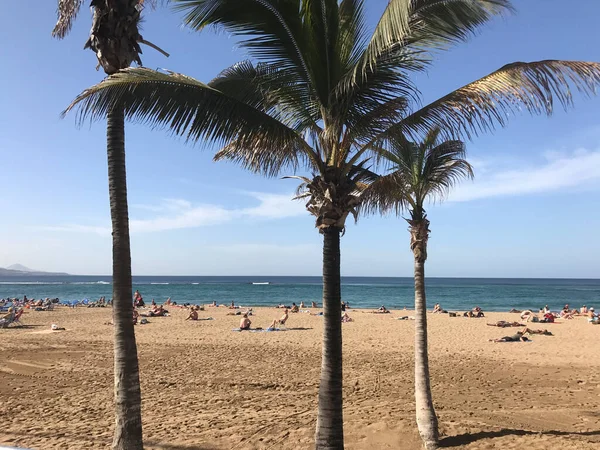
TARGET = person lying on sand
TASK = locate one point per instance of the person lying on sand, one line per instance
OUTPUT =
(278, 322)
(505, 324)
(544, 332)
(382, 310)
(157, 311)
(514, 338)
(193, 315)
(346, 318)
(245, 322)
(515, 311)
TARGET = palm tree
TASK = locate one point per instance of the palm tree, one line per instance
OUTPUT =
(324, 96)
(419, 173)
(115, 39)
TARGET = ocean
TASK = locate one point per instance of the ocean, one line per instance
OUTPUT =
(491, 294)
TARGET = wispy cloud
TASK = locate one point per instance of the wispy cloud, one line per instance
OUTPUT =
(558, 171)
(176, 214)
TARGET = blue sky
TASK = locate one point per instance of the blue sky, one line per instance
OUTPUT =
(533, 210)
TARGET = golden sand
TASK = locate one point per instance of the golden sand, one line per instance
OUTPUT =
(206, 387)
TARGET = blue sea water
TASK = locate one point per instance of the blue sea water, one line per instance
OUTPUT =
(491, 294)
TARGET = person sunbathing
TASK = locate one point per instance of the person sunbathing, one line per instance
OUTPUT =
(245, 322)
(519, 336)
(505, 324)
(157, 311)
(279, 322)
(437, 308)
(313, 305)
(193, 315)
(302, 305)
(346, 318)
(382, 310)
(544, 332)
(295, 308)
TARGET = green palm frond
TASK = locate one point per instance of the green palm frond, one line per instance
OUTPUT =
(271, 30)
(353, 32)
(429, 24)
(437, 25)
(275, 91)
(420, 172)
(321, 22)
(194, 110)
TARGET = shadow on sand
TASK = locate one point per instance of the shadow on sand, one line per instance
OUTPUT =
(163, 446)
(468, 438)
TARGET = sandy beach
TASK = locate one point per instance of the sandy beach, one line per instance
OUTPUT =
(206, 387)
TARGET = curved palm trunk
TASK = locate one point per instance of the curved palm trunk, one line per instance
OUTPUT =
(330, 421)
(425, 413)
(128, 427)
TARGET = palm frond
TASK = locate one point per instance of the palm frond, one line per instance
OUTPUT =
(320, 19)
(437, 25)
(420, 172)
(490, 101)
(353, 32)
(67, 11)
(194, 110)
(277, 92)
(271, 30)
(387, 194)
(444, 167)
(429, 24)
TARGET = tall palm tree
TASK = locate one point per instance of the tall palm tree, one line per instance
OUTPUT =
(115, 38)
(419, 173)
(324, 96)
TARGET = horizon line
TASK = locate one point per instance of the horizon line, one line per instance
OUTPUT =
(316, 276)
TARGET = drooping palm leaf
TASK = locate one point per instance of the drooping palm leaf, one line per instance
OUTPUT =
(490, 101)
(67, 13)
(194, 110)
(68, 10)
(277, 92)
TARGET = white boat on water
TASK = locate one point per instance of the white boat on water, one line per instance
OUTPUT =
(260, 282)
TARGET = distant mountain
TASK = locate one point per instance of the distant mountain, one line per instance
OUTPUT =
(19, 270)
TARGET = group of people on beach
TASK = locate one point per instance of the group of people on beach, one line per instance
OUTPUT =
(545, 315)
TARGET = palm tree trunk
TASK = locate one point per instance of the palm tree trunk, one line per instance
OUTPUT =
(128, 427)
(330, 421)
(426, 419)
